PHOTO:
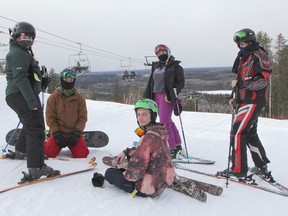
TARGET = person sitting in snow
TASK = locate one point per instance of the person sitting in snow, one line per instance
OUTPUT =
(149, 169)
(66, 116)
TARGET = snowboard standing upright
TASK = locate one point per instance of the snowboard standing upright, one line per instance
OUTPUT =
(94, 139)
(190, 187)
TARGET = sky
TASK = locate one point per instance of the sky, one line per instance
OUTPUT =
(117, 35)
(207, 136)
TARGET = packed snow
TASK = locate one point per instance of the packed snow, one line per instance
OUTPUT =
(207, 136)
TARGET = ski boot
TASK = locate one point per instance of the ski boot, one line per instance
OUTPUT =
(15, 155)
(178, 153)
(36, 173)
(20, 155)
(47, 171)
(263, 173)
(242, 177)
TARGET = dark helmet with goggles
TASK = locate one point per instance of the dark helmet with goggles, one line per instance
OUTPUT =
(68, 84)
(245, 35)
(68, 72)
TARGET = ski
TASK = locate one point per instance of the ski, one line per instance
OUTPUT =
(270, 180)
(61, 175)
(192, 160)
(209, 188)
(11, 155)
(253, 184)
(189, 191)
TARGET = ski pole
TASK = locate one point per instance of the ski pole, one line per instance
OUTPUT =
(45, 81)
(230, 145)
(178, 109)
(11, 138)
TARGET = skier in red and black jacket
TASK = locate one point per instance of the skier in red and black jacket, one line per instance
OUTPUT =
(253, 68)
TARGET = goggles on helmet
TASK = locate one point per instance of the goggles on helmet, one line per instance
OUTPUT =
(239, 35)
(161, 47)
(71, 74)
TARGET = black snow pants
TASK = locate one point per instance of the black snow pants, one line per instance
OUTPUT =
(31, 138)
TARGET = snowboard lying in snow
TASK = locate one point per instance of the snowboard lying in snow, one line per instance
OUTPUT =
(94, 139)
(184, 185)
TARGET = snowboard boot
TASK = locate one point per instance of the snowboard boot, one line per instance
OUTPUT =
(36, 173)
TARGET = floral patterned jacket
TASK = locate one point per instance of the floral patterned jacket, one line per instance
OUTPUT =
(150, 165)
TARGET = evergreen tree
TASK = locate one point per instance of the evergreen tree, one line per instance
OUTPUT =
(54, 81)
(279, 78)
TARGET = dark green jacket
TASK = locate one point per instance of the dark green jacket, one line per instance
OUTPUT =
(20, 69)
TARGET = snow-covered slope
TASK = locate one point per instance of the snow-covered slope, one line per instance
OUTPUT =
(207, 136)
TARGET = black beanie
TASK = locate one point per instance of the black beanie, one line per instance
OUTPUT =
(98, 180)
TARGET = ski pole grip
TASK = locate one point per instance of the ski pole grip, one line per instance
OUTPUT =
(175, 92)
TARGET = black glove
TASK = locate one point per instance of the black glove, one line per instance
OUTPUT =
(98, 180)
(74, 137)
(60, 140)
(45, 82)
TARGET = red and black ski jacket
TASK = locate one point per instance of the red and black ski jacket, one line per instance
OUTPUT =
(253, 74)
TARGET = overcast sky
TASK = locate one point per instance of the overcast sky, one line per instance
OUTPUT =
(199, 33)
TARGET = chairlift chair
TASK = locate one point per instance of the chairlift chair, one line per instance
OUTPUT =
(79, 61)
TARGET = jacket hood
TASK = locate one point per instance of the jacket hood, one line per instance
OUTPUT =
(159, 130)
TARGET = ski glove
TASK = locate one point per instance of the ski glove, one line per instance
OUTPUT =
(74, 137)
(60, 139)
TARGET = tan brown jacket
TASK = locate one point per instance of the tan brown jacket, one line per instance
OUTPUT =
(66, 114)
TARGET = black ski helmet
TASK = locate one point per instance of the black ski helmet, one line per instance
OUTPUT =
(244, 35)
(23, 27)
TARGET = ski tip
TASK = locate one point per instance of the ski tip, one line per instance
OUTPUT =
(92, 160)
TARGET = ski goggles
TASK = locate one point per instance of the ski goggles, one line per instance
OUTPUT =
(161, 48)
(139, 131)
(70, 74)
(239, 35)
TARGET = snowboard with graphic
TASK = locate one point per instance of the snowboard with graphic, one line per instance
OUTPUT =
(94, 139)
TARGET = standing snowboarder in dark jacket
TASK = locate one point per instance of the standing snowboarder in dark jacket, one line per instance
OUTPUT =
(253, 68)
(166, 74)
(23, 87)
